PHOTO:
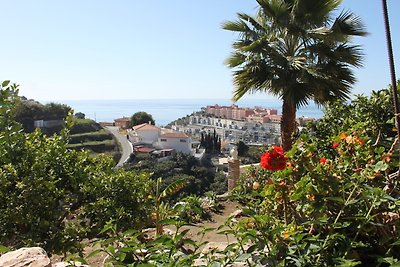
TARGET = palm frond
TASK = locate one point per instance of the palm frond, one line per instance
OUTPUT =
(276, 11)
(313, 13)
(252, 21)
(348, 24)
(235, 59)
(235, 26)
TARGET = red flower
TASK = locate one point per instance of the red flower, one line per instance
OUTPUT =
(335, 145)
(274, 159)
(323, 160)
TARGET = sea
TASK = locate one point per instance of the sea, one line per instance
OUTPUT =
(165, 111)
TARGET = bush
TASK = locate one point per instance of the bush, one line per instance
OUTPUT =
(84, 126)
(336, 202)
(89, 137)
(220, 184)
(50, 196)
(120, 196)
(191, 210)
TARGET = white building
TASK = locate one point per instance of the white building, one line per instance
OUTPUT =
(145, 133)
(179, 141)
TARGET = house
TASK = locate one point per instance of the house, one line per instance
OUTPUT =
(144, 133)
(122, 122)
(181, 142)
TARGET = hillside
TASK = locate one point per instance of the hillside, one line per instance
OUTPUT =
(89, 135)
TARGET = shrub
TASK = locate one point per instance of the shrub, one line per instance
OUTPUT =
(120, 196)
(336, 200)
(44, 186)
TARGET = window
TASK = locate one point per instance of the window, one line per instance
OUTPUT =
(182, 140)
(163, 140)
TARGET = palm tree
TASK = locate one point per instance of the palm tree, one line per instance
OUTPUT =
(295, 50)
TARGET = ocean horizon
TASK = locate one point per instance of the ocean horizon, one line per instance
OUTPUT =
(165, 111)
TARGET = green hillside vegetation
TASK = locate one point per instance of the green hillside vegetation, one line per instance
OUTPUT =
(100, 135)
(27, 111)
(89, 135)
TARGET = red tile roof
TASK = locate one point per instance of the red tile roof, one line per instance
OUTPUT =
(143, 149)
(174, 135)
(145, 127)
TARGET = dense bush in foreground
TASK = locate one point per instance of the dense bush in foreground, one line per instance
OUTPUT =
(336, 200)
(51, 196)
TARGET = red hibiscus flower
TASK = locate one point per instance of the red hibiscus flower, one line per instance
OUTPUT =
(274, 159)
(335, 145)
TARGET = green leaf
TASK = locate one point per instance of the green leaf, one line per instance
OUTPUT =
(348, 263)
(5, 83)
(353, 201)
(122, 256)
(94, 253)
(252, 248)
(336, 199)
(173, 188)
(215, 264)
(380, 166)
(4, 249)
(189, 241)
(243, 257)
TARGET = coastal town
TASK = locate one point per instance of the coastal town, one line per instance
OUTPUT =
(257, 126)
(208, 133)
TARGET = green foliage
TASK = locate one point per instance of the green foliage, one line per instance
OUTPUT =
(220, 184)
(133, 248)
(39, 182)
(90, 136)
(252, 154)
(84, 126)
(242, 148)
(141, 117)
(336, 203)
(50, 196)
(29, 110)
(180, 166)
(190, 209)
(211, 142)
(117, 195)
(79, 115)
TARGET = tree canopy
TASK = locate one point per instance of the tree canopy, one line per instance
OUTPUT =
(141, 117)
(295, 50)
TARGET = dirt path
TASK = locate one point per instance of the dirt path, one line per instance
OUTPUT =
(228, 207)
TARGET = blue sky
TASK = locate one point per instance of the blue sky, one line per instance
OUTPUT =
(137, 49)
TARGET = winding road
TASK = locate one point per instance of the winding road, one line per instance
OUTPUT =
(125, 144)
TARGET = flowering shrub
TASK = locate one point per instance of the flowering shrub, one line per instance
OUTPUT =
(274, 159)
(335, 202)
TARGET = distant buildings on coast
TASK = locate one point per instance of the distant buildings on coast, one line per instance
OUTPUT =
(258, 126)
(234, 112)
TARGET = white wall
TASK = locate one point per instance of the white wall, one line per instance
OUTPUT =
(177, 144)
(148, 137)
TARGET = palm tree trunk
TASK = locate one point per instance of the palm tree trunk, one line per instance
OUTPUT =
(288, 124)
